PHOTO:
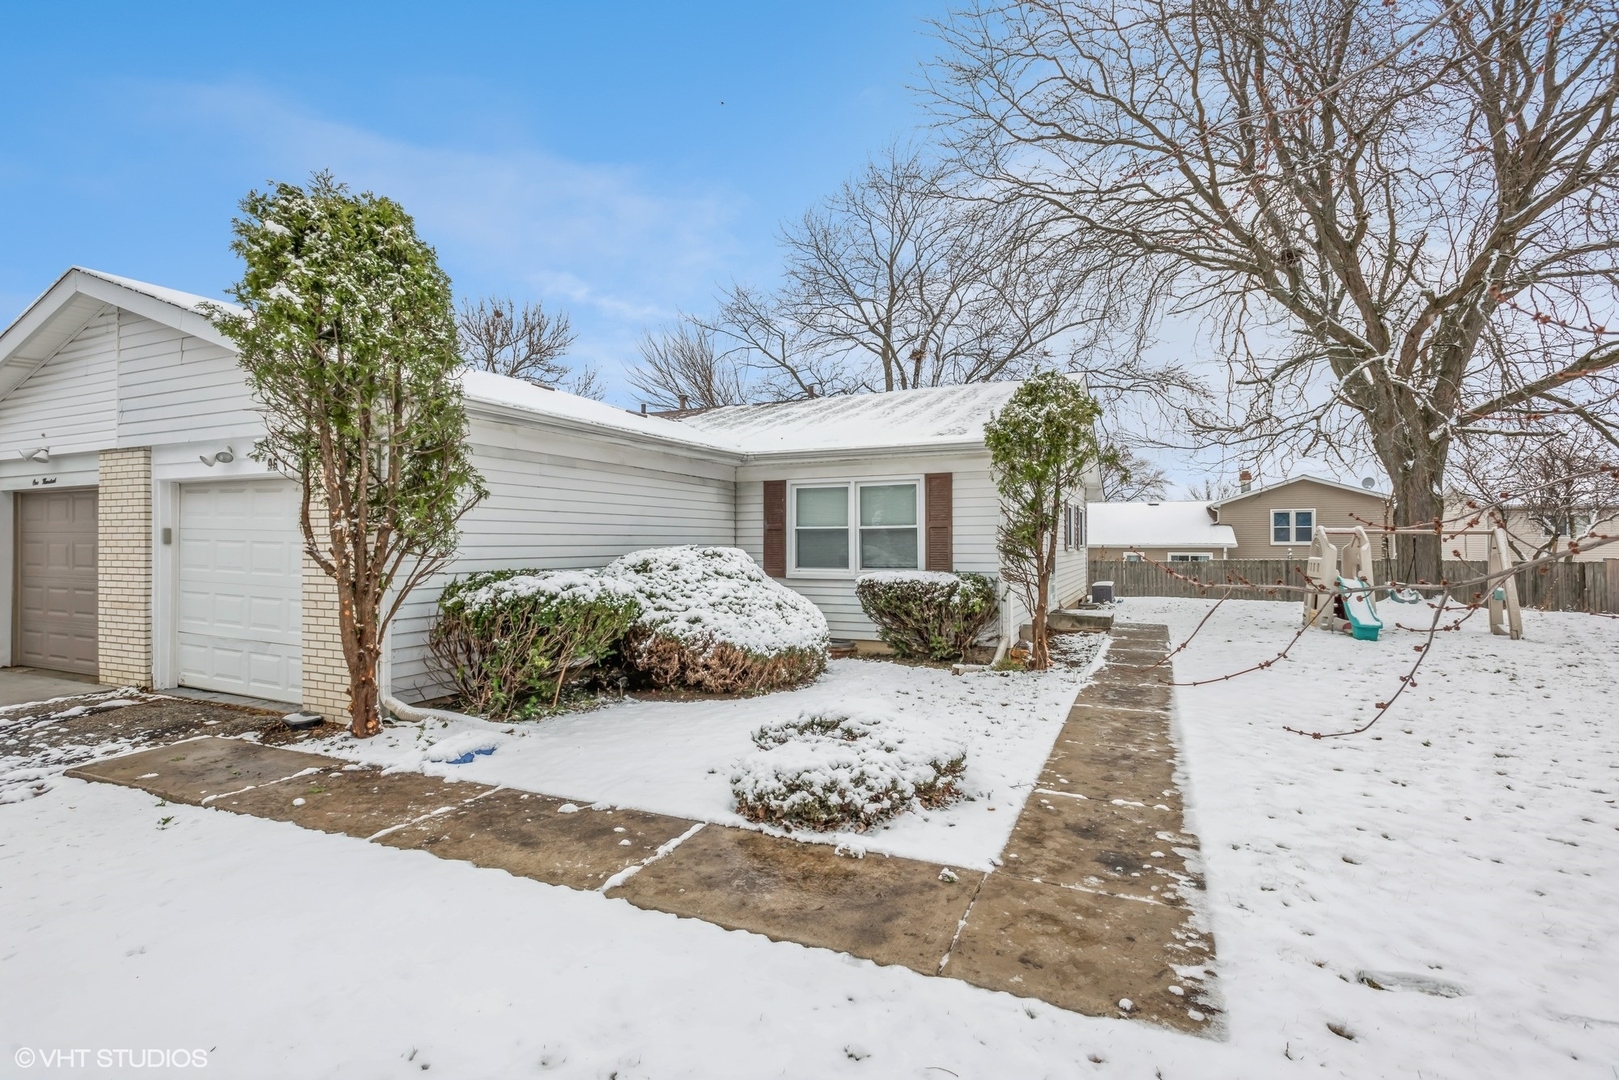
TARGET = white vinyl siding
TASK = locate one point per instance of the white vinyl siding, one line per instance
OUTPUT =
(176, 388)
(976, 512)
(564, 502)
(71, 402)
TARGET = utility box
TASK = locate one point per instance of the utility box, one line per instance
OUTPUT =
(1101, 592)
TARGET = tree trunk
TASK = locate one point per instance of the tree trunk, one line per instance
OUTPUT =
(363, 653)
(1415, 465)
(1418, 502)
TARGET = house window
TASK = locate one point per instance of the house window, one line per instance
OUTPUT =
(1292, 526)
(1190, 556)
(821, 528)
(1073, 533)
(1134, 556)
(856, 526)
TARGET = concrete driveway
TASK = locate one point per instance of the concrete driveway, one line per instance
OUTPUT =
(20, 685)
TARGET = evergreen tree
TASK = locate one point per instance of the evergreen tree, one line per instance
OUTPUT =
(1040, 443)
(349, 344)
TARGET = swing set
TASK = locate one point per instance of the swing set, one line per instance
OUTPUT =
(1349, 603)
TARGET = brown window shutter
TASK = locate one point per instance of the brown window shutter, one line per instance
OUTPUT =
(941, 544)
(776, 528)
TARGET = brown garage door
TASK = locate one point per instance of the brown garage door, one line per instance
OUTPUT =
(56, 580)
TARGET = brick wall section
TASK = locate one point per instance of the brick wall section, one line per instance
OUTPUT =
(124, 567)
(325, 672)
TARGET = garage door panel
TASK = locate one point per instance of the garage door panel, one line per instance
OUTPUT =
(240, 595)
(56, 579)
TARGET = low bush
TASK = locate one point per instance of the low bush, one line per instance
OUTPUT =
(711, 620)
(925, 614)
(843, 770)
(506, 637)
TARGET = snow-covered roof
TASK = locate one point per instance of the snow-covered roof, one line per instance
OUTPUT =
(1156, 525)
(935, 416)
(502, 390)
(1359, 489)
(189, 301)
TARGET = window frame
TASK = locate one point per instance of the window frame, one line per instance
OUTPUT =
(1190, 556)
(1073, 533)
(1292, 525)
(852, 486)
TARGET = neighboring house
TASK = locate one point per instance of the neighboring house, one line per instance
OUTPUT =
(148, 548)
(1525, 535)
(1160, 531)
(1277, 521)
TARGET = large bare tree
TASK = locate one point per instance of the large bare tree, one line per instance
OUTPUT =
(910, 281)
(1400, 221)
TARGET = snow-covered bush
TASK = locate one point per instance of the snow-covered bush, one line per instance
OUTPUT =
(504, 637)
(927, 614)
(843, 770)
(711, 620)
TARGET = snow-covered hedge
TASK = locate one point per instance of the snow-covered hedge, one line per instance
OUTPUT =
(927, 614)
(506, 637)
(843, 770)
(711, 620)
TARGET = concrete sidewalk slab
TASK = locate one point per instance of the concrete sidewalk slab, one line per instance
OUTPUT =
(189, 772)
(358, 803)
(890, 910)
(528, 835)
(1083, 952)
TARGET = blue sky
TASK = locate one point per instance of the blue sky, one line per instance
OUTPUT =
(578, 154)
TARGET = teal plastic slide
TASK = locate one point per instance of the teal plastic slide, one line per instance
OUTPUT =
(1359, 610)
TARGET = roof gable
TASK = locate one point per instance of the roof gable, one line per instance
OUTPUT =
(1282, 484)
(76, 297)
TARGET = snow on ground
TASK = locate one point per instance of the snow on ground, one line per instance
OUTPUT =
(1469, 840)
(676, 757)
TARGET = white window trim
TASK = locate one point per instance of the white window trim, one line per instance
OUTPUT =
(1191, 556)
(1073, 533)
(853, 485)
(1292, 525)
(1134, 556)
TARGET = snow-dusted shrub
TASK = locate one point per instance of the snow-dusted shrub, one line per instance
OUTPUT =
(505, 637)
(927, 614)
(711, 620)
(843, 770)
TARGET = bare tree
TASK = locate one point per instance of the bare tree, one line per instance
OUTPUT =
(524, 342)
(765, 339)
(681, 369)
(1210, 490)
(1399, 220)
(1128, 477)
(1546, 492)
(911, 283)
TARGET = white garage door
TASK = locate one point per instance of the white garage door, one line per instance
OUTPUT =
(240, 588)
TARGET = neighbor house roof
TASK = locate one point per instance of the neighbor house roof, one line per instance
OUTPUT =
(1358, 489)
(1156, 525)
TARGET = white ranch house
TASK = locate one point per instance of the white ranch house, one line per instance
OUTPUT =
(147, 547)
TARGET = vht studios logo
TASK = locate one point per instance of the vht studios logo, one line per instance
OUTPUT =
(30, 1057)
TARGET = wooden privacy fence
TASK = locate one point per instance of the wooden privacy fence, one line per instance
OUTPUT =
(1564, 586)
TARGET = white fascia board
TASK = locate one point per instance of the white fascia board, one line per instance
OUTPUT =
(866, 453)
(180, 318)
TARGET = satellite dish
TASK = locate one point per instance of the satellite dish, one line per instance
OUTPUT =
(1369, 484)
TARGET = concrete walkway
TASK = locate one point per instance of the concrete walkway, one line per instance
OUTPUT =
(1093, 905)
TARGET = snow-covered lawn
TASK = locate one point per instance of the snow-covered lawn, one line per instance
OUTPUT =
(677, 757)
(1471, 839)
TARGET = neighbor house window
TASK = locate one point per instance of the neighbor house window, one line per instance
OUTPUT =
(856, 526)
(1133, 556)
(1190, 556)
(1292, 526)
(821, 527)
